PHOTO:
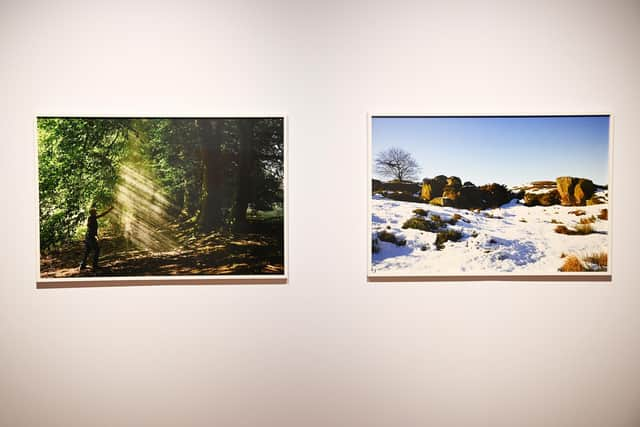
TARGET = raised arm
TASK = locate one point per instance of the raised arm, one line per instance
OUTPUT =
(105, 212)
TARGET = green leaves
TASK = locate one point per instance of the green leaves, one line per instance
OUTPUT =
(78, 159)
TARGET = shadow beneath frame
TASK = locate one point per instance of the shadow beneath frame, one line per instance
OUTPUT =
(494, 278)
(93, 283)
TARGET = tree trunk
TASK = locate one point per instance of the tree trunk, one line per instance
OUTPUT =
(211, 136)
(246, 161)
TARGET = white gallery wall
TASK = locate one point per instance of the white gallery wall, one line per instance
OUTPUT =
(328, 349)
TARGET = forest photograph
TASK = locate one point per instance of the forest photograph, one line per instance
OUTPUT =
(131, 197)
(490, 195)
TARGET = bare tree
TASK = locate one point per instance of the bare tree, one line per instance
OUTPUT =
(397, 164)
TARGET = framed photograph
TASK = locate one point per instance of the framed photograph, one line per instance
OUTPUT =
(514, 197)
(161, 200)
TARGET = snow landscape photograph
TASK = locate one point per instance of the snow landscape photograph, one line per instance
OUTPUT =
(489, 195)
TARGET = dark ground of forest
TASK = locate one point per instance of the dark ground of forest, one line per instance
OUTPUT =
(258, 251)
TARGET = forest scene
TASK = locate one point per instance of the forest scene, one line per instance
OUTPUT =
(489, 195)
(161, 196)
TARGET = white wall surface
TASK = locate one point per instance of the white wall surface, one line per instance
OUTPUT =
(328, 349)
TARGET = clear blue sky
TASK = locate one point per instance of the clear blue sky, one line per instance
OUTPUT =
(507, 150)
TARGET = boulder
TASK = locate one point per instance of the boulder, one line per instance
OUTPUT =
(495, 195)
(469, 197)
(454, 181)
(433, 187)
(452, 189)
(451, 192)
(402, 186)
(583, 191)
(542, 198)
(442, 201)
(574, 191)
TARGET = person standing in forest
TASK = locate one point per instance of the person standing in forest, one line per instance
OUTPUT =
(91, 238)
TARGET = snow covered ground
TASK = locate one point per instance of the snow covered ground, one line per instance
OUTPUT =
(513, 239)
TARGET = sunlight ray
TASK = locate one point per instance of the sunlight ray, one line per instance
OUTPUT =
(142, 206)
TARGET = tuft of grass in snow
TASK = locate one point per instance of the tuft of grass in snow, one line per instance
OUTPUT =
(588, 220)
(447, 235)
(562, 229)
(420, 223)
(581, 229)
(584, 229)
(386, 236)
(492, 216)
(578, 212)
(572, 264)
(523, 219)
(593, 262)
(555, 221)
(421, 212)
(598, 260)
(455, 218)
(604, 214)
(437, 219)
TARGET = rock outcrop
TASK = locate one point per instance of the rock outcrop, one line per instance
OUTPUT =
(452, 189)
(433, 187)
(402, 186)
(546, 198)
(442, 201)
(397, 190)
(495, 195)
(574, 191)
(449, 191)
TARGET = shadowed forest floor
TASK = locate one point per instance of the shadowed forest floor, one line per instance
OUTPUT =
(258, 251)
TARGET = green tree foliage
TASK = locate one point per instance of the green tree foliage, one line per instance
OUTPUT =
(213, 170)
(77, 169)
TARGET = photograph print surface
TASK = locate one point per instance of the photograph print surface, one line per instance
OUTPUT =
(497, 195)
(162, 197)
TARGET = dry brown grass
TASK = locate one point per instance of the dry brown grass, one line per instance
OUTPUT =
(599, 259)
(604, 214)
(578, 212)
(562, 229)
(584, 229)
(447, 235)
(581, 229)
(421, 223)
(594, 262)
(455, 218)
(588, 220)
(572, 264)
(387, 236)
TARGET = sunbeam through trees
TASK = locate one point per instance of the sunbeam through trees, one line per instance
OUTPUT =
(188, 195)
